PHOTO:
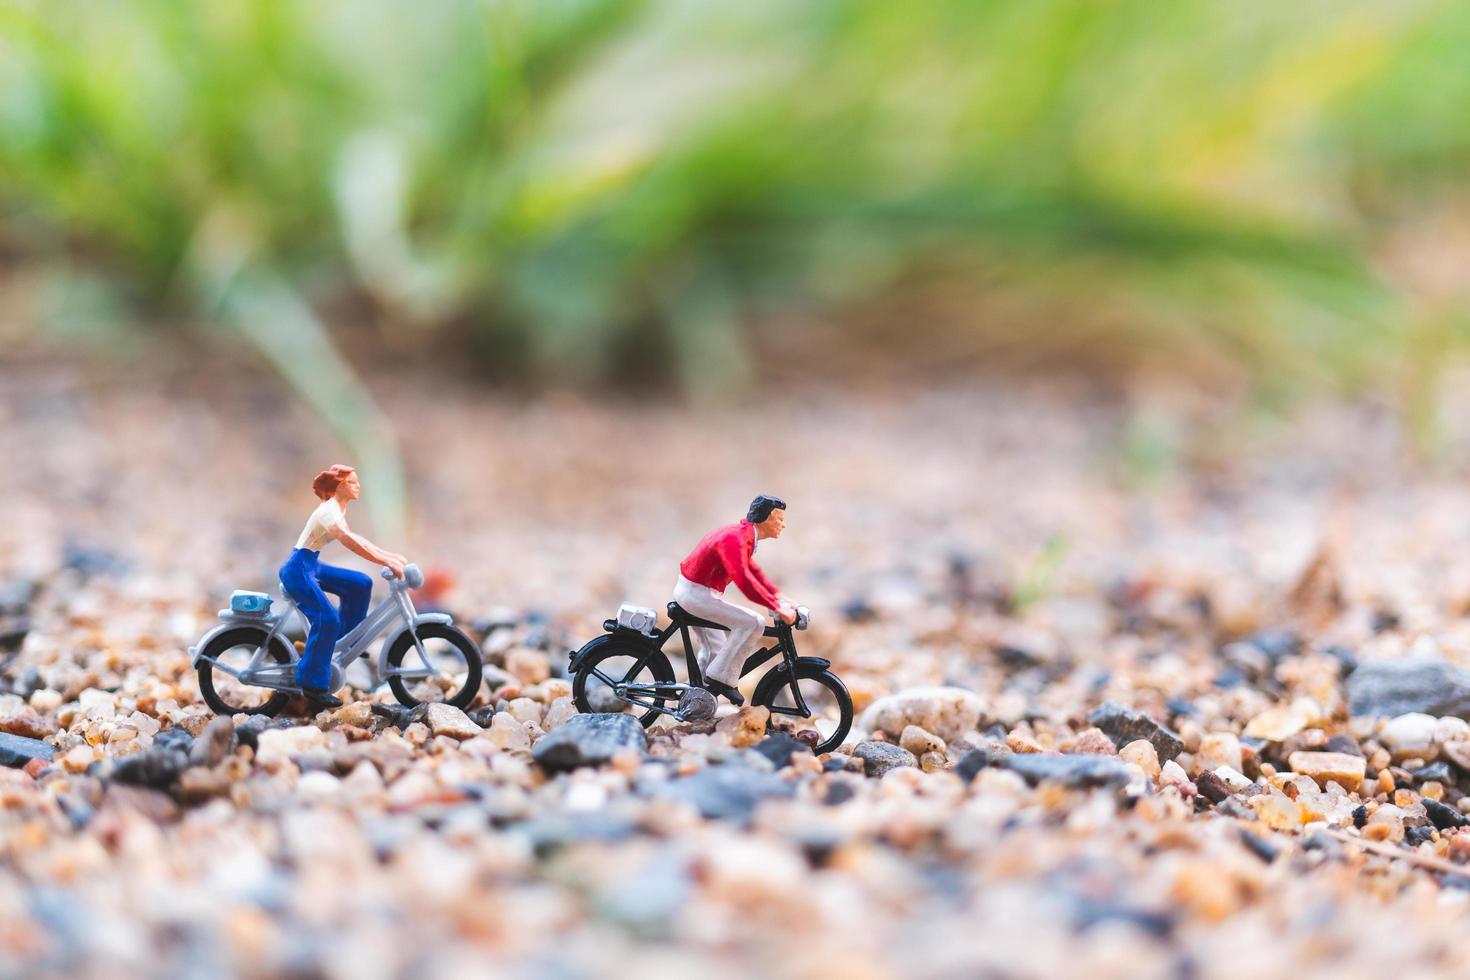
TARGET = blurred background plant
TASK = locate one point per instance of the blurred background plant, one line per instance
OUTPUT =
(1271, 198)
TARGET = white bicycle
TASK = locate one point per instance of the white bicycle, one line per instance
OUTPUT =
(246, 665)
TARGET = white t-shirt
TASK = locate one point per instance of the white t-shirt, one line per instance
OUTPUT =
(320, 524)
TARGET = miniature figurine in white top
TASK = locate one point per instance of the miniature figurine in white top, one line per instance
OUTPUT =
(308, 580)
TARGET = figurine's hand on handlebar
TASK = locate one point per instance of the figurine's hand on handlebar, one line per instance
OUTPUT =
(395, 565)
(786, 612)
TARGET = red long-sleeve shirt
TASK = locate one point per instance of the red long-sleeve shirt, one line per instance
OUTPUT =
(724, 556)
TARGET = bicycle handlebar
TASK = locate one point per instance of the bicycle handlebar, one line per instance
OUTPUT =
(412, 577)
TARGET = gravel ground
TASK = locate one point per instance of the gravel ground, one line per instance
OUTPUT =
(1136, 698)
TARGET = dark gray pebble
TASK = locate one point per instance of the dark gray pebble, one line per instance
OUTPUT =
(13, 633)
(779, 748)
(16, 596)
(248, 731)
(1444, 817)
(1389, 688)
(1434, 772)
(177, 738)
(1320, 840)
(1079, 771)
(28, 682)
(984, 757)
(17, 750)
(1124, 726)
(556, 830)
(838, 792)
(1087, 913)
(725, 792)
(399, 716)
(649, 902)
(1276, 644)
(1263, 848)
(152, 769)
(89, 560)
(1414, 836)
(589, 740)
(214, 744)
(881, 757)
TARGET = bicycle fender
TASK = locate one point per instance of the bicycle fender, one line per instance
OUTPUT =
(419, 620)
(818, 662)
(591, 646)
(197, 650)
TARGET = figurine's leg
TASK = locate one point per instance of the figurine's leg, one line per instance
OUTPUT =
(352, 588)
(745, 627)
(315, 667)
(708, 641)
(724, 655)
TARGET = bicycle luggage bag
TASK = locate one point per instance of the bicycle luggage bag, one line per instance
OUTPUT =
(637, 617)
(250, 603)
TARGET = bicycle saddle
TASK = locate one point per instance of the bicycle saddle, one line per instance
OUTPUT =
(679, 614)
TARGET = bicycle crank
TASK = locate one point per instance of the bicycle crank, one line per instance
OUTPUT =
(696, 704)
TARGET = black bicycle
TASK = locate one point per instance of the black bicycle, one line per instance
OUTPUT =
(626, 669)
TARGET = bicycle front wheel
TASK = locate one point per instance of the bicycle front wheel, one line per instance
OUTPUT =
(449, 671)
(828, 705)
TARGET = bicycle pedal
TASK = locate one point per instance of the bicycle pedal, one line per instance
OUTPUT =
(696, 704)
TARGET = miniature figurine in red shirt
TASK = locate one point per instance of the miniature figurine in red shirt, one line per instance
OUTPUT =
(724, 556)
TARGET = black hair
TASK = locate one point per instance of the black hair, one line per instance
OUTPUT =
(761, 507)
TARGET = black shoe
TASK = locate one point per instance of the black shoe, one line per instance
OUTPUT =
(724, 690)
(320, 696)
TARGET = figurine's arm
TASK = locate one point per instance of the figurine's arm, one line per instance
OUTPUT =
(783, 607)
(747, 577)
(765, 583)
(359, 545)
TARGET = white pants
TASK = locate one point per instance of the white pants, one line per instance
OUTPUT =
(720, 657)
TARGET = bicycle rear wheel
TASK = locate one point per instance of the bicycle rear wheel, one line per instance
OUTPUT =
(625, 662)
(234, 648)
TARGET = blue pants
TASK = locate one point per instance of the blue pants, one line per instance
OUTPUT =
(307, 581)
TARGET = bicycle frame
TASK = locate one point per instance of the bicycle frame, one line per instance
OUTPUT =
(261, 671)
(681, 622)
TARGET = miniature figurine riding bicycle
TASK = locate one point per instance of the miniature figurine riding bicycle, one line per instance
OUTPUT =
(627, 666)
(249, 647)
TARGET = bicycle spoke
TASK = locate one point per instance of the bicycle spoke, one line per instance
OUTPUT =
(424, 659)
(812, 706)
(620, 684)
(443, 669)
(229, 666)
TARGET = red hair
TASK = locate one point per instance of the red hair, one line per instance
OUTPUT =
(329, 479)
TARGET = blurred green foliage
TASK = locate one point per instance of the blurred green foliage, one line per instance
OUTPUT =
(572, 187)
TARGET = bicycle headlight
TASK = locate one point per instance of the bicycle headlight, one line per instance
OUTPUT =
(413, 576)
(803, 617)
